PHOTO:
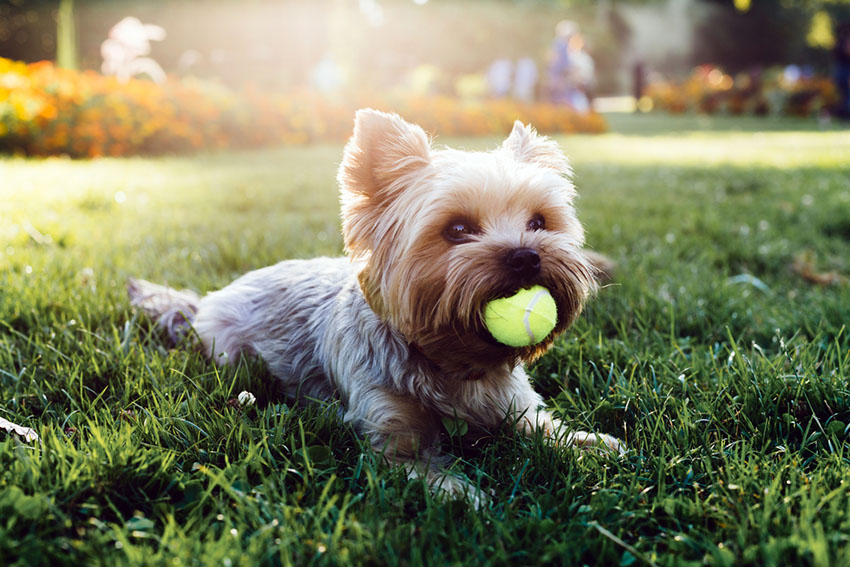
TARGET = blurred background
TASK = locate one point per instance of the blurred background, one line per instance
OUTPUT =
(281, 44)
(461, 67)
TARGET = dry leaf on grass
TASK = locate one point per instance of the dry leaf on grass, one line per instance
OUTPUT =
(25, 432)
(804, 267)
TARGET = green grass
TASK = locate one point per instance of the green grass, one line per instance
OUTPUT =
(731, 392)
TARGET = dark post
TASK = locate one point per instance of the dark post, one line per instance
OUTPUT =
(638, 77)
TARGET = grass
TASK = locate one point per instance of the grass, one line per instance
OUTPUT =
(723, 369)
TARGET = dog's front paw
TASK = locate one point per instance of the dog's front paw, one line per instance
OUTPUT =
(595, 441)
(447, 486)
(451, 487)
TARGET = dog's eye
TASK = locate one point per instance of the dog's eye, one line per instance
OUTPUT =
(537, 222)
(458, 231)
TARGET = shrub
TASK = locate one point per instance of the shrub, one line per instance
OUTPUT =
(45, 110)
(709, 90)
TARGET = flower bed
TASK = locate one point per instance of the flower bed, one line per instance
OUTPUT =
(709, 90)
(49, 111)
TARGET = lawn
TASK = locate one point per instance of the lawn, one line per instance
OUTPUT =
(715, 355)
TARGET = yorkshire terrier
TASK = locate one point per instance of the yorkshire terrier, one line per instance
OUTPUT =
(395, 330)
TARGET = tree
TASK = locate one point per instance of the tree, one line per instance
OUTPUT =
(767, 32)
(66, 36)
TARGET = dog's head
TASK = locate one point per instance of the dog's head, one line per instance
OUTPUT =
(442, 232)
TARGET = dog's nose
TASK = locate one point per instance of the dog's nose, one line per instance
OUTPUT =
(523, 262)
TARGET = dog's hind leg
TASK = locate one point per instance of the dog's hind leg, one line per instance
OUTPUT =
(173, 310)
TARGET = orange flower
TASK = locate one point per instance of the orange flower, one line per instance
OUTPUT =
(86, 114)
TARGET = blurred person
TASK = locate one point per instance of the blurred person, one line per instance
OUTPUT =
(559, 61)
(499, 77)
(572, 73)
(582, 78)
(841, 72)
(525, 80)
(124, 51)
(792, 74)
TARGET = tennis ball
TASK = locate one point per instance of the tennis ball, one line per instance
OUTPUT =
(523, 319)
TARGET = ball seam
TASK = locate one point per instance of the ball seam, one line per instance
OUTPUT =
(528, 309)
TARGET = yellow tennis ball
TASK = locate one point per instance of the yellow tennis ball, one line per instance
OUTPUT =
(523, 319)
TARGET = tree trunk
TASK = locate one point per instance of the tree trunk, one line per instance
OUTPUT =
(66, 36)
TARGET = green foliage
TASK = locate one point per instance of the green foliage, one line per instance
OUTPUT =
(769, 32)
(731, 392)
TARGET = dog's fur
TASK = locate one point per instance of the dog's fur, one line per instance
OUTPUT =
(395, 330)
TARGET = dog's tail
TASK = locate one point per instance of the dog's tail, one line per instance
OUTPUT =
(173, 310)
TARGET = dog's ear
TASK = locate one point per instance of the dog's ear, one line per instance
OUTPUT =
(384, 156)
(382, 152)
(528, 147)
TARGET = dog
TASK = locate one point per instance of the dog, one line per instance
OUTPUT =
(395, 329)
